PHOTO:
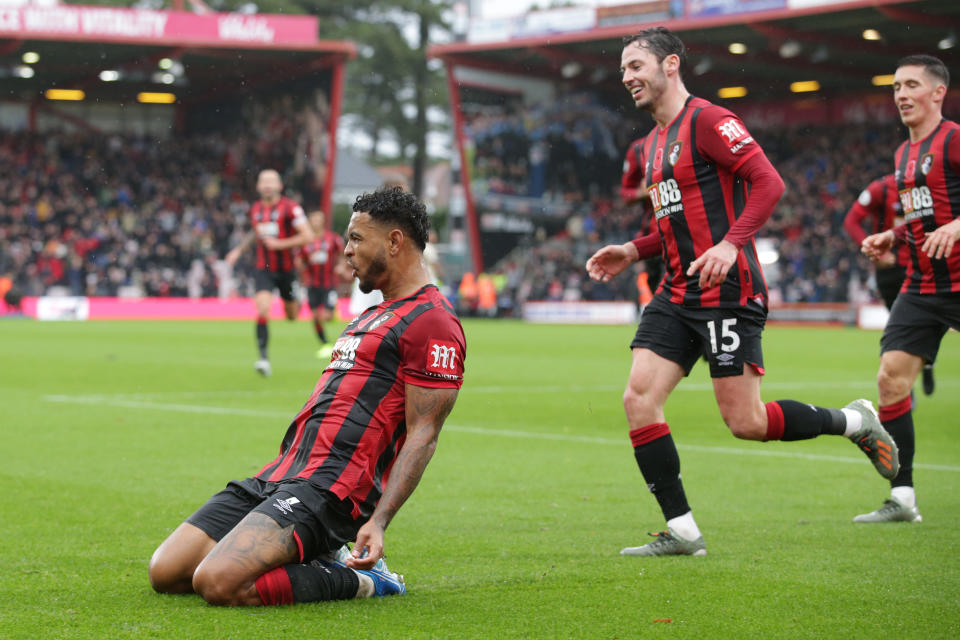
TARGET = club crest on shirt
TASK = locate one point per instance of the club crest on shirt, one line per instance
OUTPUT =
(926, 163)
(674, 154)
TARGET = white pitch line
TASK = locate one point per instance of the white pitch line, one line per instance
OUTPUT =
(508, 433)
(168, 406)
(469, 389)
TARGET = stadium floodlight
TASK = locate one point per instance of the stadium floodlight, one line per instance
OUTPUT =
(165, 63)
(150, 97)
(703, 65)
(949, 42)
(109, 75)
(871, 34)
(31, 57)
(882, 81)
(804, 86)
(73, 95)
(790, 49)
(737, 48)
(23, 72)
(732, 92)
(163, 78)
(571, 69)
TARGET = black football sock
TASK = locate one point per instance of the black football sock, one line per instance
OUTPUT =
(897, 419)
(659, 463)
(320, 333)
(312, 582)
(791, 420)
(263, 335)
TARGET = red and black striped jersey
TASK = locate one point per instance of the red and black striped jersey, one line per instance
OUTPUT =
(280, 221)
(928, 181)
(691, 169)
(347, 436)
(320, 258)
(879, 203)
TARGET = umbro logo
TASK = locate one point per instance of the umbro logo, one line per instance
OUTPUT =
(726, 359)
(285, 506)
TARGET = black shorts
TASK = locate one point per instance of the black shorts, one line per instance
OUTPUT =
(282, 281)
(889, 281)
(726, 337)
(321, 521)
(918, 321)
(321, 297)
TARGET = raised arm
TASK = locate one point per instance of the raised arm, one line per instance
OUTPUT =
(426, 410)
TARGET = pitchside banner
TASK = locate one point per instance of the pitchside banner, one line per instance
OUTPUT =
(155, 27)
(549, 312)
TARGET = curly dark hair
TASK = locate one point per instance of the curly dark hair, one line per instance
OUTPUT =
(394, 206)
(661, 42)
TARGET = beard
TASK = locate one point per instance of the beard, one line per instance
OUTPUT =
(378, 266)
(654, 89)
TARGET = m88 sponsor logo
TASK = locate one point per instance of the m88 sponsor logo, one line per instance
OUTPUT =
(666, 198)
(916, 202)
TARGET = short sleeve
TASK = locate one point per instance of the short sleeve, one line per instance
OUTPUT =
(297, 215)
(723, 138)
(433, 349)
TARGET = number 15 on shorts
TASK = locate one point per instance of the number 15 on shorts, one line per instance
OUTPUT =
(729, 340)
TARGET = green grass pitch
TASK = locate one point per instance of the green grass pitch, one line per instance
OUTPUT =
(113, 432)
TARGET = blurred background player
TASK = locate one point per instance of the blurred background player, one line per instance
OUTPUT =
(344, 470)
(322, 258)
(278, 227)
(633, 190)
(928, 181)
(879, 204)
(713, 300)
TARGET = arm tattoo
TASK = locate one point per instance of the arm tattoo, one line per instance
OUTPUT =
(426, 411)
(432, 405)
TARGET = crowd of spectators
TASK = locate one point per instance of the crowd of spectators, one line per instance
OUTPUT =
(83, 213)
(567, 151)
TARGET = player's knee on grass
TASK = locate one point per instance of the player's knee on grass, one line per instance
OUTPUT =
(168, 577)
(173, 563)
(221, 587)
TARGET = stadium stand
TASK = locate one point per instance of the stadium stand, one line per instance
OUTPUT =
(137, 181)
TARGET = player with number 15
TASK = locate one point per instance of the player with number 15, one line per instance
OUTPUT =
(712, 188)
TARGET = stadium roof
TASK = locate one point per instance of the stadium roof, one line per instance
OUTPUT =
(197, 57)
(825, 43)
